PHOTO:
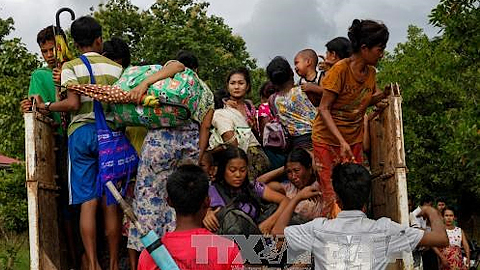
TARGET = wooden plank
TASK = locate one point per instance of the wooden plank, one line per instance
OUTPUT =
(41, 192)
(387, 162)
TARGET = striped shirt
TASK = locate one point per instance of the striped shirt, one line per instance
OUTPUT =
(105, 71)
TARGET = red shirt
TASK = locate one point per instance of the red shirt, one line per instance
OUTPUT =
(197, 249)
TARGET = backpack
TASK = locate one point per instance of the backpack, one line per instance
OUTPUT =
(273, 133)
(232, 219)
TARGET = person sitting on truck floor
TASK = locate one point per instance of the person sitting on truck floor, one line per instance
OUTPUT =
(82, 137)
(187, 191)
(352, 240)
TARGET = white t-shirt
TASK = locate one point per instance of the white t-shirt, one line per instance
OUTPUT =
(230, 119)
(352, 241)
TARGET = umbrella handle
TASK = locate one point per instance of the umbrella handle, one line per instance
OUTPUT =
(57, 16)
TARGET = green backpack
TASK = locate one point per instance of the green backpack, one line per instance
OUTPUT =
(178, 97)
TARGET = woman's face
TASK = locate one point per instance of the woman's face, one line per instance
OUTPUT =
(372, 55)
(237, 86)
(449, 217)
(298, 174)
(235, 172)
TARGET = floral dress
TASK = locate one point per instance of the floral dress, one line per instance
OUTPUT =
(453, 252)
(162, 152)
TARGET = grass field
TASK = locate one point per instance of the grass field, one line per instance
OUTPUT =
(20, 244)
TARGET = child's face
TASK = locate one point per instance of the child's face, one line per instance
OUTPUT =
(48, 52)
(302, 65)
(449, 217)
(331, 58)
(235, 172)
(237, 86)
(208, 168)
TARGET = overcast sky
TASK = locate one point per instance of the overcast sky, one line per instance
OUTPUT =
(269, 27)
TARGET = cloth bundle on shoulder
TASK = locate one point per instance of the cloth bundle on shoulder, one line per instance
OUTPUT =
(178, 99)
(170, 102)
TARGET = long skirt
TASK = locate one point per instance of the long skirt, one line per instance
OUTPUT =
(454, 258)
(162, 152)
(326, 157)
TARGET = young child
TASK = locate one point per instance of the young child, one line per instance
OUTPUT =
(451, 256)
(232, 180)
(306, 62)
(82, 138)
(337, 49)
(353, 241)
(207, 163)
(187, 190)
(293, 107)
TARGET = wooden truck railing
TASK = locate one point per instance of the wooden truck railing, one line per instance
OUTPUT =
(42, 191)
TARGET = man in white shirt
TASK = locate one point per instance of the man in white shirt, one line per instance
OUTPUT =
(353, 241)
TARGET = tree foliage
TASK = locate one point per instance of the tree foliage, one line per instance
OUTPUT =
(16, 65)
(157, 34)
(440, 89)
(13, 200)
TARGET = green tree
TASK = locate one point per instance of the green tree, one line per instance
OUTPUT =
(16, 65)
(440, 90)
(157, 34)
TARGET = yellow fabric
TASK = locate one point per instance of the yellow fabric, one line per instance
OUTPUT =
(136, 135)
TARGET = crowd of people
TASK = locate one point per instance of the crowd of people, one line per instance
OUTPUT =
(312, 185)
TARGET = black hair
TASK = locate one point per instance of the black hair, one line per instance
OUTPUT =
(267, 89)
(246, 76)
(310, 54)
(117, 49)
(209, 157)
(246, 194)
(187, 58)
(301, 156)
(279, 71)
(441, 199)
(85, 30)
(219, 95)
(187, 189)
(445, 210)
(367, 32)
(426, 199)
(341, 46)
(352, 183)
(48, 34)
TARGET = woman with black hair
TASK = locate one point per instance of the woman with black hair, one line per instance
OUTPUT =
(234, 122)
(349, 88)
(295, 111)
(301, 174)
(231, 183)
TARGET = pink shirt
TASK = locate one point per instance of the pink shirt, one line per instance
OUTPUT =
(264, 111)
(197, 249)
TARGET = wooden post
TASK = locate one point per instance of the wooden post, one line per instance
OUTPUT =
(41, 192)
(387, 163)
